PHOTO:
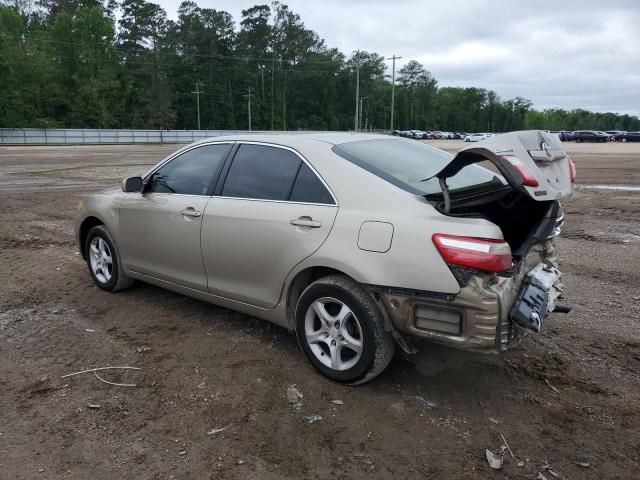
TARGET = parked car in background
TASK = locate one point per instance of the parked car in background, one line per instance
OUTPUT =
(591, 136)
(629, 137)
(610, 138)
(616, 134)
(356, 242)
(476, 137)
(566, 136)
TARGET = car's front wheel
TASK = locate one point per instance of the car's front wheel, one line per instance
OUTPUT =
(103, 261)
(341, 330)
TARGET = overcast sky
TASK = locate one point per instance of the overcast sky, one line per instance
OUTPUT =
(561, 53)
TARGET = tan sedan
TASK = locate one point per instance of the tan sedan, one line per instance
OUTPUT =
(358, 243)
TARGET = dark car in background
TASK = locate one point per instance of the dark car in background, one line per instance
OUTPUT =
(616, 134)
(629, 137)
(591, 136)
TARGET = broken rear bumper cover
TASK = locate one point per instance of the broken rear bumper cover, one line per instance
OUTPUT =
(488, 313)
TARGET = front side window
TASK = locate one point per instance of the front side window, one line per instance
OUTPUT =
(190, 173)
(408, 164)
(262, 172)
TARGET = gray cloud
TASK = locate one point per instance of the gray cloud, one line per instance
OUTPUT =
(566, 54)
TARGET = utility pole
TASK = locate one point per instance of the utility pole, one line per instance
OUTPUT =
(393, 88)
(284, 103)
(357, 95)
(273, 67)
(360, 113)
(197, 94)
(249, 107)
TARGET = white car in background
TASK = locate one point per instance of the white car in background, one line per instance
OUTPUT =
(476, 137)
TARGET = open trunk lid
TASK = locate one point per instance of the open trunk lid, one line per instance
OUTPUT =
(532, 161)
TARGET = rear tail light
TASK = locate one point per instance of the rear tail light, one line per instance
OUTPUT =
(572, 169)
(480, 253)
(528, 179)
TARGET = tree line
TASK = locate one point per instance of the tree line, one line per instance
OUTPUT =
(76, 64)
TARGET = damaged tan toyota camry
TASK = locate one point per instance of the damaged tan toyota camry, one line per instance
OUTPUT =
(358, 243)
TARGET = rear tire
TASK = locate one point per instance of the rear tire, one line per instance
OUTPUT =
(623, 140)
(342, 332)
(104, 262)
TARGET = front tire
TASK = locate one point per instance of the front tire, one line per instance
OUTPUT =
(103, 261)
(342, 332)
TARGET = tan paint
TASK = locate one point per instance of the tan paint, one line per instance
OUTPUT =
(375, 236)
(251, 253)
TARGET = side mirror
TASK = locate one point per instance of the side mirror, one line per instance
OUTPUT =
(132, 184)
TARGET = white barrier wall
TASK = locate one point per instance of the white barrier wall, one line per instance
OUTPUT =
(89, 136)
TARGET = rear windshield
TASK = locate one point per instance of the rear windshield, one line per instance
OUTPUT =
(406, 163)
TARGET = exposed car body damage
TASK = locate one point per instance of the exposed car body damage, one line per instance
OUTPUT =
(493, 309)
(478, 317)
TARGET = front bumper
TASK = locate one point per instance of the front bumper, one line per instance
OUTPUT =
(477, 318)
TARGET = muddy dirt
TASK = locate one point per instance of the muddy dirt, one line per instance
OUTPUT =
(567, 401)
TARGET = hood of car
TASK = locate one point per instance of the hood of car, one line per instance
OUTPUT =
(532, 161)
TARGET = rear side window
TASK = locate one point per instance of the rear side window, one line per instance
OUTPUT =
(308, 188)
(262, 172)
(190, 173)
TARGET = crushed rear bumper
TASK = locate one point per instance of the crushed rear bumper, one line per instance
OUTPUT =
(481, 316)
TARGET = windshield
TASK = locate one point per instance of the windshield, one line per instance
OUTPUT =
(406, 163)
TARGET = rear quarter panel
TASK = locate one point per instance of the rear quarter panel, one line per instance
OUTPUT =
(412, 261)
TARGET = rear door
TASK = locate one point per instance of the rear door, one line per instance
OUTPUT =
(270, 212)
(534, 154)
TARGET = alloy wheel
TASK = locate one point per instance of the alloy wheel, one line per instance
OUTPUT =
(101, 260)
(333, 333)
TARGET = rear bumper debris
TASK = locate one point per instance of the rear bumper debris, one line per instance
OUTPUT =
(538, 296)
(480, 316)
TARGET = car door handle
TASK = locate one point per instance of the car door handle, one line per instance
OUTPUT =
(190, 212)
(305, 222)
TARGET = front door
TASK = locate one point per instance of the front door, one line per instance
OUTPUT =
(160, 227)
(273, 211)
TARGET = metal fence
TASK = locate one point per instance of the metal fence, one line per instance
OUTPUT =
(89, 136)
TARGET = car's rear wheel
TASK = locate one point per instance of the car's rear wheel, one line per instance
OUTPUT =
(341, 330)
(103, 261)
(624, 140)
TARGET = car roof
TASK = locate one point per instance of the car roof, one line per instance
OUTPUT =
(291, 139)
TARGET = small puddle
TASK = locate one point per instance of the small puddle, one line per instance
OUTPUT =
(604, 186)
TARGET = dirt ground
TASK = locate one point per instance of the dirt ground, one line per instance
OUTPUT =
(566, 401)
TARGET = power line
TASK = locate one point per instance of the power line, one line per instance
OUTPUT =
(200, 55)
